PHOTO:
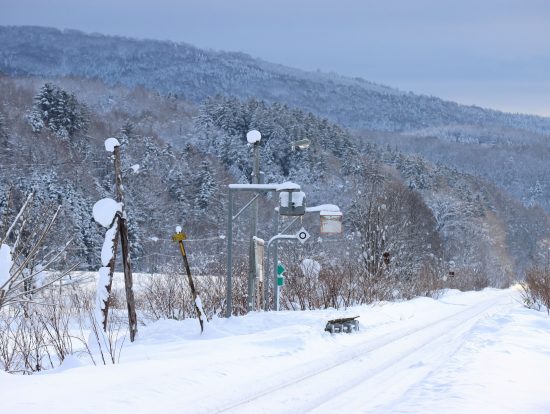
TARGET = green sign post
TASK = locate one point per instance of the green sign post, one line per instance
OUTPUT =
(280, 278)
(280, 281)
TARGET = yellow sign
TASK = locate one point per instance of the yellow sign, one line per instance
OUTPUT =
(179, 237)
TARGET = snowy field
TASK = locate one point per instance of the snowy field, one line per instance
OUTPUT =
(476, 352)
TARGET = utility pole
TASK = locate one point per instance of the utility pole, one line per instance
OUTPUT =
(126, 261)
(229, 237)
(253, 137)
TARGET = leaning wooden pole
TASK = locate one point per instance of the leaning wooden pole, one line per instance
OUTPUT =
(180, 237)
(126, 262)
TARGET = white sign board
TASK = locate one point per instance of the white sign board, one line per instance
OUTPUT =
(331, 222)
(259, 254)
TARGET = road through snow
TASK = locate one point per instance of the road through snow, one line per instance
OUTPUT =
(371, 376)
(473, 352)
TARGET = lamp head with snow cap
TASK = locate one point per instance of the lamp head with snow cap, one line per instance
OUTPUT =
(253, 137)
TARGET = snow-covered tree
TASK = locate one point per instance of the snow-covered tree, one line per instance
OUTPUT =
(58, 111)
(206, 188)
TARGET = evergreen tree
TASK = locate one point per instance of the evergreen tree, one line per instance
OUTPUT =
(206, 187)
(58, 111)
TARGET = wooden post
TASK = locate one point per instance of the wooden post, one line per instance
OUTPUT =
(180, 237)
(122, 233)
(109, 286)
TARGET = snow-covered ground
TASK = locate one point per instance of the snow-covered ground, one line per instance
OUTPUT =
(476, 352)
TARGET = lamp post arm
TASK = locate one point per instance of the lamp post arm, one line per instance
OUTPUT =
(281, 236)
(246, 206)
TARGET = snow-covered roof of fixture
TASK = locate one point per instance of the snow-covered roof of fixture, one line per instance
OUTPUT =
(286, 186)
(324, 209)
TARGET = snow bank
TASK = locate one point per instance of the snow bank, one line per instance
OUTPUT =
(463, 353)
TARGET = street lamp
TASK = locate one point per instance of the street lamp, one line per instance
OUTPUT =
(253, 137)
(301, 144)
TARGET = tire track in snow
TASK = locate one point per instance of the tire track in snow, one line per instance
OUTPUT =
(311, 385)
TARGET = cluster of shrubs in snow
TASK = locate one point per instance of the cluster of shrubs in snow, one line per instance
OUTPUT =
(59, 322)
(536, 288)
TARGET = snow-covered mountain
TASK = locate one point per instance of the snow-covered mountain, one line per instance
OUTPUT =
(194, 74)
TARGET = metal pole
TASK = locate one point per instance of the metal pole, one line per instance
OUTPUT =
(274, 281)
(253, 227)
(229, 236)
(275, 263)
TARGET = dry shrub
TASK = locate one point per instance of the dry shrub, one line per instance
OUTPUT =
(167, 295)
(35, 336)
(466, 279)
(349, 283)
(163, 296)
(429, 282)
(536, 289)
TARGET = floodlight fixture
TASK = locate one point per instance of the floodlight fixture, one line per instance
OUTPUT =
(301, 144)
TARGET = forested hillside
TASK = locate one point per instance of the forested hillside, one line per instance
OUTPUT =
(178, 159)
(509, 150)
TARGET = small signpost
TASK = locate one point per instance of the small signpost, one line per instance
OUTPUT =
(179, 237)
(280, 281)
(302, 235)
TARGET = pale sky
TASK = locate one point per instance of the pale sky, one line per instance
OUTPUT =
(491, 53)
